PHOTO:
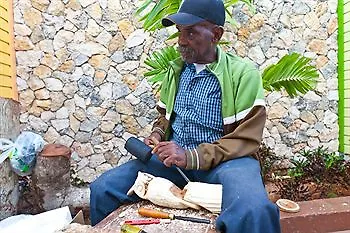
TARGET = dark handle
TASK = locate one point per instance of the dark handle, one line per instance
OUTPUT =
(191, 219)
(138, 149)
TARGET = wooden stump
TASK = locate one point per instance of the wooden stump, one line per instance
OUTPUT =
(50, 182)
(9, 128)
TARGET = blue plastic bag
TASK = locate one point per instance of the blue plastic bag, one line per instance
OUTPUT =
(22, 153)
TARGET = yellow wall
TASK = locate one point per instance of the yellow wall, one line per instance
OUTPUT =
(347, 76)
(8, 87)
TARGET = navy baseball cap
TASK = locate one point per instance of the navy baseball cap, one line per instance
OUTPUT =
(196, 11)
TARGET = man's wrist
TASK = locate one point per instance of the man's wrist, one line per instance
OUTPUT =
(157, 136)
(160, 132)
(192, 159)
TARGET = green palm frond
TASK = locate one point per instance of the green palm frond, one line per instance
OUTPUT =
(174, 35)
(293, 73)
(152, 19)
(158, 63)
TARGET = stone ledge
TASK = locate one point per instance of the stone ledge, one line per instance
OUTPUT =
(323, 215)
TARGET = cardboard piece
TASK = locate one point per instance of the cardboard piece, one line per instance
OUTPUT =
(79, 218)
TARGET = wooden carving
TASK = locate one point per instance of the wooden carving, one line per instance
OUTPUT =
(208, 196)
(160, 191)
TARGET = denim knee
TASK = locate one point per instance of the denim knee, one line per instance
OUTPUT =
(97, 187)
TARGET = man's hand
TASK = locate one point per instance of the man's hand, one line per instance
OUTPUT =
(153, 139)
(170, 154)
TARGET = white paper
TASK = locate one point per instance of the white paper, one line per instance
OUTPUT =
(47, 222)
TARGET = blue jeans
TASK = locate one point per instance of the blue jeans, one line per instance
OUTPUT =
(245, 204)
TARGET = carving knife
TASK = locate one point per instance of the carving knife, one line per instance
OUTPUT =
(160, 214)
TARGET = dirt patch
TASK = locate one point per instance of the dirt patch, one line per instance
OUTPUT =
(312, 174)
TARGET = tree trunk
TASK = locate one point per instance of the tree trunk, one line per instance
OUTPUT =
(9, 128)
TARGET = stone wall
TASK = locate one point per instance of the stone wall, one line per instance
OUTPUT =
(80, 65)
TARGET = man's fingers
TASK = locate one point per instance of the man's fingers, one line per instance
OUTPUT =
(146, 141)
(170, 153)
(164, 143)
(165, 152)
(163, 157)
(168, 161)
(154, 140)
(174, 159)
(178, 163)
(161, 147)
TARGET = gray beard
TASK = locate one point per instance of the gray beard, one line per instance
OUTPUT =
(188, 51)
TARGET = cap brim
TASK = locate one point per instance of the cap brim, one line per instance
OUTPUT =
(184, 19)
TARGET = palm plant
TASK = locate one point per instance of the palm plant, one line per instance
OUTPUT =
(152, 18)
(159, 63)
(292, 72)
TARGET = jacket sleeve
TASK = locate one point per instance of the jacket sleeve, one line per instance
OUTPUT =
(244, 140)
(161, 124)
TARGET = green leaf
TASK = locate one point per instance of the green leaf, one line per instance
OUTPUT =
(152, 18)
(158, 63)
(152, 72)
(292, 73)
(143, 7)
(230, 19)
(176, 34)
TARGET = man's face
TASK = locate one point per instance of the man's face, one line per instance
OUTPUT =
(197, 42)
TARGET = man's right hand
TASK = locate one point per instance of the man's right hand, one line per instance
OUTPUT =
(153, 139)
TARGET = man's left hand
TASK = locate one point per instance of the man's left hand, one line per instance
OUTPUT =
(170, 154)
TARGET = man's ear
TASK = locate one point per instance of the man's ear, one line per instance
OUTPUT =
(218, 32)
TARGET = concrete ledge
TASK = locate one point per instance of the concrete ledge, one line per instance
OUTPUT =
(323, 215)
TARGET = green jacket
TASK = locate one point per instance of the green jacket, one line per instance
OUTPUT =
(242, 108)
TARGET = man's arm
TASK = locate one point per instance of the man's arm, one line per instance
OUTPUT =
(159, 127)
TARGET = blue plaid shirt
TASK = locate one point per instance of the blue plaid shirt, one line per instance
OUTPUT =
(197, 114)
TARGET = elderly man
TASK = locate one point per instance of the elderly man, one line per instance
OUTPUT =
(212, 116)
